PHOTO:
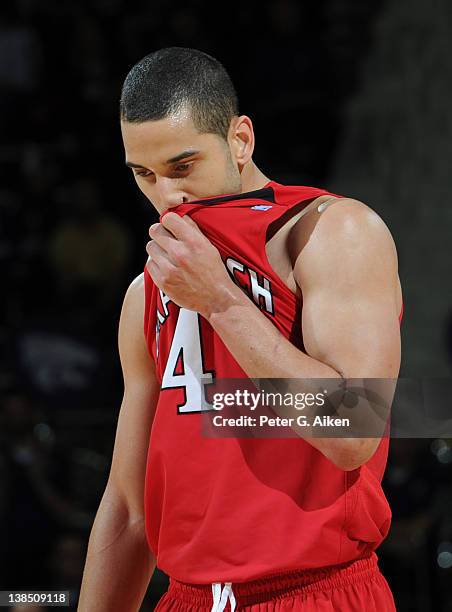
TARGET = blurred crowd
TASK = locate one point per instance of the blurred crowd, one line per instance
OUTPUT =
(73, 235)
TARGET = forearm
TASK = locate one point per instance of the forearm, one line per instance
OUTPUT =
(119, 563)
(258, 346)
(263, 352)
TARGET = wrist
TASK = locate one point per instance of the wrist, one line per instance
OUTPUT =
(226, 297)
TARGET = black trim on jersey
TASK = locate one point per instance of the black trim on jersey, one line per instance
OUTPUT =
(266, 193)
(277, 224)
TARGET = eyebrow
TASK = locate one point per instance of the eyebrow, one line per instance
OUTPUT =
(173, 160)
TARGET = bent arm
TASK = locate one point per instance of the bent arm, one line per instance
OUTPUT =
(119, 563)
(347, 271)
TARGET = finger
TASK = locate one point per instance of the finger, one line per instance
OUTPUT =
(157, 229)
(160, 268)
(161, 235)
(191, 222)
(158, 254)
(177, 226)
(154, 272)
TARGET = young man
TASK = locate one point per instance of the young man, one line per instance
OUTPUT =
(235, 523)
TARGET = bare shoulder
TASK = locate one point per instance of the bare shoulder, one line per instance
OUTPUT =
(133, 304)
(132, 344)
(346, 213)
(345, 244)
(339, 229)
(136, 287)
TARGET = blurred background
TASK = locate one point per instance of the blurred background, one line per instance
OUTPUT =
(350, 96)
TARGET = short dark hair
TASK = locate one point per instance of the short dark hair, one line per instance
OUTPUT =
(167, 80)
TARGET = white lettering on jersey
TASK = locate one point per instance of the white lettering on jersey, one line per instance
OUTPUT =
(260, 292)
(186, 347)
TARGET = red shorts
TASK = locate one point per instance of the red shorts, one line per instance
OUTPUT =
(351, 587)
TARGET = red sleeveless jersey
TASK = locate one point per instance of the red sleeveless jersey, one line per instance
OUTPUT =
(237, 509)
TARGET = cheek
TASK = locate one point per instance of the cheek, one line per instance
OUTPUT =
(220, 169)
(232, 177)
(215, 172)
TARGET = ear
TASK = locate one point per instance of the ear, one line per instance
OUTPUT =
(241, 139)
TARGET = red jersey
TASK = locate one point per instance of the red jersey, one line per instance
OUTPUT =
(237, 509)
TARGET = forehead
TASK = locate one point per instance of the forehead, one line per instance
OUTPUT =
(161, 139)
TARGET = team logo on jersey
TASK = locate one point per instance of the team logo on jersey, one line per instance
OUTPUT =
(261, 207)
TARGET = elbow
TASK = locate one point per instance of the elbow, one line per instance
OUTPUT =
(352, 453)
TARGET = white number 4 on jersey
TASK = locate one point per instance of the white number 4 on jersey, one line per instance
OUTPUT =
(186, 347)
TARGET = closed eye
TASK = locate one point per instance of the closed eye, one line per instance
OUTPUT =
(183, 167)
(143, 173)
(178, 168)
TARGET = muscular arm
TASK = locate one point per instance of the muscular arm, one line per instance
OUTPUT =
(119, 563)
(347, 272)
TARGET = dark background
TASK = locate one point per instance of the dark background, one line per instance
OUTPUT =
(350, 96)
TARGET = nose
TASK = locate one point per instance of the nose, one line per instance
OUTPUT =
(169, 193)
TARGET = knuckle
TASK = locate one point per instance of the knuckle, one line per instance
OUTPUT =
(192, 242)
(182, 261)
(167, 275)
(180, 257)
(164, 281)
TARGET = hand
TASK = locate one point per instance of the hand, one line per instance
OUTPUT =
(186, 266)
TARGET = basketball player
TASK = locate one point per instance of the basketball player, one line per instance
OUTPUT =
(245, 278)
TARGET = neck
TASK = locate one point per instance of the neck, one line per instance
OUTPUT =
(252, 177)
